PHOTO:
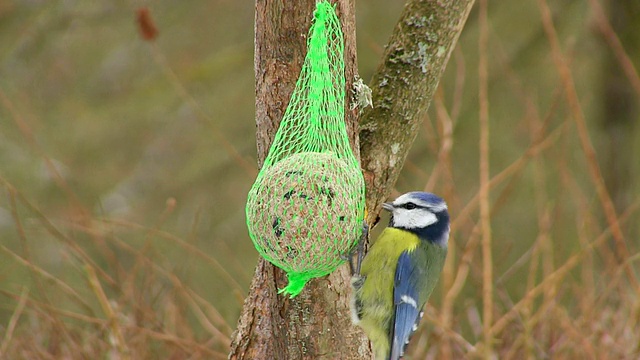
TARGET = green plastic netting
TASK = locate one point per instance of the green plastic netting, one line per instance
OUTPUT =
(306, 207)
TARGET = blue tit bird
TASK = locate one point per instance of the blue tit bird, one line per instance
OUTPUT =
(400, 271)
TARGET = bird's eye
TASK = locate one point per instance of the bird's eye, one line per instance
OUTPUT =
(410, 206)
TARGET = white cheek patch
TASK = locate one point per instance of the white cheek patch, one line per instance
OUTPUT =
(425, 219)
(413, 219)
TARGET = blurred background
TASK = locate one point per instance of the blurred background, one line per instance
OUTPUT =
(125, 164)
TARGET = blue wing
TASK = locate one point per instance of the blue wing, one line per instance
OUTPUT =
(406, 303)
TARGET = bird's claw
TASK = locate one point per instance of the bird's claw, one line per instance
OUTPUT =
(357, 250)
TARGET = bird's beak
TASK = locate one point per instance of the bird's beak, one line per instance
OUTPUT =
(387, 206)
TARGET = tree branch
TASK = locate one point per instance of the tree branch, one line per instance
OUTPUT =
(403, 86)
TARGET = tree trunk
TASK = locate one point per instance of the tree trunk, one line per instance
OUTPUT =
(316, 323)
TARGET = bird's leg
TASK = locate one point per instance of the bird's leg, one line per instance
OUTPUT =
(358, 251)
(351, 267)
(360, 248)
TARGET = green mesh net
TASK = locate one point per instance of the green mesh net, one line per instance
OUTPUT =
(306, 207)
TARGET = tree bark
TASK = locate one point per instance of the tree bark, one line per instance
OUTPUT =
(316, 323)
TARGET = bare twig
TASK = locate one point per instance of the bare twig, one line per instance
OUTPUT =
(483, 194)
(585, 141)
(11, 326)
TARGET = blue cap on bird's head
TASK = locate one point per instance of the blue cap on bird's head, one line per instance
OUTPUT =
(428, 198)
(418, 198)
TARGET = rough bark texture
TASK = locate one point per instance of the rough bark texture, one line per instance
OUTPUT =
(403, 88)
(316, 324)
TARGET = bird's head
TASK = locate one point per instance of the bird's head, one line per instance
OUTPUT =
(422, 213)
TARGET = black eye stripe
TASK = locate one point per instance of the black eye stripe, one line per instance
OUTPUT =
(411, 206)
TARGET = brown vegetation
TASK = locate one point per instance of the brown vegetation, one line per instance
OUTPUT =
(125, 164)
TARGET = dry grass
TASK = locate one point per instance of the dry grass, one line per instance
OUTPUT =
(121, 307)
(542, 264)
